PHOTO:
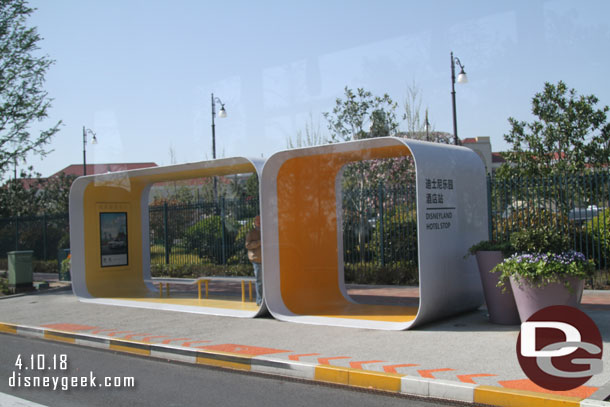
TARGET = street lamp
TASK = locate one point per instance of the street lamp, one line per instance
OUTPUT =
(462, 78)
(427, 126)
(222, 113)
(93, 141)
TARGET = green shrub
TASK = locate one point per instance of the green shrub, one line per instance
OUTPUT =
(199, 270)
(205, 238)
(598, 237)
(403, 273)
(45, 266)
(399, 237)
(528, 218)
(240, 255)
(356, 237)
(491, 246)
(38, 266)
(4, 286)
(540, 239)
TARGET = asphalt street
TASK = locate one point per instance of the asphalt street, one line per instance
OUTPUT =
(158, 382)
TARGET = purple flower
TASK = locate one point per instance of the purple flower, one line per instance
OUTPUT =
(566, 258)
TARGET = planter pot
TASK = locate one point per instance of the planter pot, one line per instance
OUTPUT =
(530, 299)
(501, 305)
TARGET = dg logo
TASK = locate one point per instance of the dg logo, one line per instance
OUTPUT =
(560, 348)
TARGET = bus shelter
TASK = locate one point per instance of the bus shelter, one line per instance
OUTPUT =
(303, 239)
(110, 239)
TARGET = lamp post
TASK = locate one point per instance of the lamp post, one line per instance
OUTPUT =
(462, 78)
(93, 141)
(222, 113)
(427, 126)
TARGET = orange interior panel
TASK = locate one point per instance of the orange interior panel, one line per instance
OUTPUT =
(307, 232)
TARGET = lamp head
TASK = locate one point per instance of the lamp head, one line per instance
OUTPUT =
(93, 138)
(222, 112)
(462, 78)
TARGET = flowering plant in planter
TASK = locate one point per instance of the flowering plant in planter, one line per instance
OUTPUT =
(545, 271)
(541, 269)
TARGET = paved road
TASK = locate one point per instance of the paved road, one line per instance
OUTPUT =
(161, 383)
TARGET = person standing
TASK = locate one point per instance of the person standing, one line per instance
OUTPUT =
(253, 245)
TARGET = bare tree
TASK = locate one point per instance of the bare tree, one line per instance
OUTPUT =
(311, 136)
(418, 127)
(412, 115)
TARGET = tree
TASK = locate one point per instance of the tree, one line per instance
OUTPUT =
(31, 195)
(349, 120)
(362, 115)
(17, 199)
(569, 135)
(349, 117)
(415, 124)
(55, 193)
(23, 100)
(412, 115)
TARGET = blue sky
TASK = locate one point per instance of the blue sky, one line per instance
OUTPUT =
(140, 72)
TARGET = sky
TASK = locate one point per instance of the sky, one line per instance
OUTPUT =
(140, 73)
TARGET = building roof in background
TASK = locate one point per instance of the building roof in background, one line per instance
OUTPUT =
(497, 158)
(93, 169)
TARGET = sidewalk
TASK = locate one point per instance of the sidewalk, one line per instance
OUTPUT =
(463, 358)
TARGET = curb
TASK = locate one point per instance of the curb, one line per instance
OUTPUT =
(35, 292)
(390, 382)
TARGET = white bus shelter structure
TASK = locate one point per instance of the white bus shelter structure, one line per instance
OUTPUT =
(303, 239)
(109, 236)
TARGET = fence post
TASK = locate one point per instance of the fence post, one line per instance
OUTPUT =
(489, 209)
(16, 233)
(222, 229)
(165, 232)
(44, 235)
(381, 236)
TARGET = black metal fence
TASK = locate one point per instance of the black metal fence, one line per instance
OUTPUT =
(45, 235)
(577, 205)
(201, 233)
(379, 226)
(380, 235)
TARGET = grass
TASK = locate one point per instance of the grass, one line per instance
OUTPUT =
(370, 273)
(178, 255)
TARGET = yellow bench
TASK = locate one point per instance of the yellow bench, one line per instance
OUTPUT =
(205, 281)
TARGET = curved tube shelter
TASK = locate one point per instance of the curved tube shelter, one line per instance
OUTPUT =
(109, 236)
(302, 234)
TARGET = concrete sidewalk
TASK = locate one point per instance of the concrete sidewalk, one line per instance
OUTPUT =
(462, 358)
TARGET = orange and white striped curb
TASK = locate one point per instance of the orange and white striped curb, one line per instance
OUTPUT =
(258, 359)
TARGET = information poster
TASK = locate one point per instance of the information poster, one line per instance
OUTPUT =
(113, 230)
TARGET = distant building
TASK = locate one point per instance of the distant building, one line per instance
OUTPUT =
(482, 146)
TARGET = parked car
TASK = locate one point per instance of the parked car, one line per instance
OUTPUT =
(519, 205)
(580, 215)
